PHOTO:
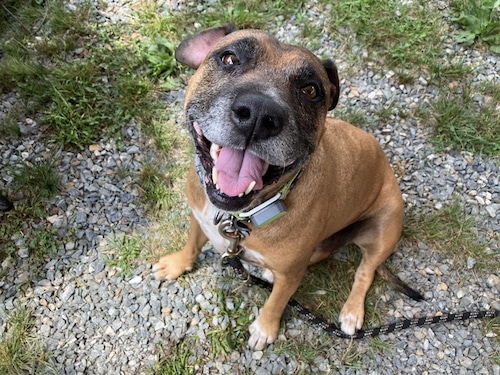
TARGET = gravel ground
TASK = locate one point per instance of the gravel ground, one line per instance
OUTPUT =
(97, 322)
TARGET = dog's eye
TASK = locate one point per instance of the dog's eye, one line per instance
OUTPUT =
(230, 59)
(310, 91)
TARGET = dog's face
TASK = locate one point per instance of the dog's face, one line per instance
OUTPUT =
(255, 109)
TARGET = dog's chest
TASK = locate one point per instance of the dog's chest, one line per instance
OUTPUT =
(205, 218)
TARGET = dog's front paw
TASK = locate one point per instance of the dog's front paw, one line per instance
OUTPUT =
(171, 266)
(259, 337)
(351, 318)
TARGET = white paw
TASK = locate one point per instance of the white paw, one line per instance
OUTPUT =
(349, 323)
(259, 339)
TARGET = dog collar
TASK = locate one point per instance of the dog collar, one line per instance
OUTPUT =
(272, 208)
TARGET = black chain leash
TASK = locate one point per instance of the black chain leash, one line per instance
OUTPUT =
(233, 230)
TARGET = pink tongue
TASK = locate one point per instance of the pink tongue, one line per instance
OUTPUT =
(237, 169)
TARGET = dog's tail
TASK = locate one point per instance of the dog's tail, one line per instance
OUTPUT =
(397, 283)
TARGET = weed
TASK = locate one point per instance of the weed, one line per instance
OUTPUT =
(353, 115)
(176, 361)
(442, 71)
(21, 351)
(160, 55)
(122, 251)
(9, 126)
(225, 339)
(153, 22)
(42, 245)
(10, 225)
(479, 19)
(493, 326)
(257, 14)
(38, 181)
(379, 346)
(156, 187)
(351, 356)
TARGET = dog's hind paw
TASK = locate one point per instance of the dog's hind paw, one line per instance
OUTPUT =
(171, 266)
(259, 338)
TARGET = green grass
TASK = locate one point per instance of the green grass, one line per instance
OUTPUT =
(451, 231)
(21, 351)
(479, 20)
(224, 340)
(83, 80)
(493, 325)
(175, 360)
(326, 286)
(156, 185)
(467, 118)
(36, 182)
(405, 35)
(123, 251)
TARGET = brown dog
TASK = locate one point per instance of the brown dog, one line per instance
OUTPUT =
(256, 109)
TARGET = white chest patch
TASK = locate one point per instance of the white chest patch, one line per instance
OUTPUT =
(206, 220)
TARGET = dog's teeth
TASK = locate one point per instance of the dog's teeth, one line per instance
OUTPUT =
(214, 151)
(215, 175)
(197, 128)
(264, 169)
(240, 195)
(250, 187)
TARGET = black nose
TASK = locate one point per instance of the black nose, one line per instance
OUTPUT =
(257, 116)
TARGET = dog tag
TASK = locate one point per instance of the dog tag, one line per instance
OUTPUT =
(268, 213)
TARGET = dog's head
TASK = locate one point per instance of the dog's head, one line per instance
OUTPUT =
(255, 108)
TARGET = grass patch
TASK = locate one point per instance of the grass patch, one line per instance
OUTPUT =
(9, 128)
(21, 351)
(479, 20)
(176, 360)
(493, 325)
(42, 245)
(451, 231)
(353, 115)
(123, 251)
(26, 227)
(406, 35)
(326, 287)
(82, 79)
(245, 14)
(156, 188)
(467, 118)
(37, 181)
(234, 335)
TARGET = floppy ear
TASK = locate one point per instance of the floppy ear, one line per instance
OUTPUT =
(333, 76)
(193, 50)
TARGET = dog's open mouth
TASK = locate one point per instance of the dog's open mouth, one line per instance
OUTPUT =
(233, 177)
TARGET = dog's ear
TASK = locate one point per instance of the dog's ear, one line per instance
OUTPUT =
(193, 50)
(333, 76)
